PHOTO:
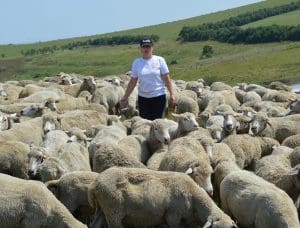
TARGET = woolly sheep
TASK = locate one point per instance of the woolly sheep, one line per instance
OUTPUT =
(72, 191)
(186, 104)
(71, 157)
(88, 84)
(188, 156)
(219, 86)
(277, 85)
(254, 202)
(292, 141)
(27, 203)
(136, 145)
(109, 96)
(109, 155)
(276, 168)
(83, 119)
(30, 131)
(133, 203)
(248, 149)
(251, 96)
(279, 127)
(14, 158)
(53, 140)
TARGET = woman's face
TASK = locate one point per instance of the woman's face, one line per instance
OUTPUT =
(146, 51)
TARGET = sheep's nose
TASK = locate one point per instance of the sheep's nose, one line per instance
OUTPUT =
(167, 140)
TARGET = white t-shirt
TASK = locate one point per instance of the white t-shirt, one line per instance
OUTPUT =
(150, 73)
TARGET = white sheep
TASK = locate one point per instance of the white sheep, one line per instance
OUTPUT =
(254, 202)
(276, 127)
(72, 191)
(187, 155)
(248, 150)
(140, 197)
(276, 168)
(27, 203)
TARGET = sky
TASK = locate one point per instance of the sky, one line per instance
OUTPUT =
(28, 21)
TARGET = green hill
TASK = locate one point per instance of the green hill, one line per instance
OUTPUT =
(230, 63)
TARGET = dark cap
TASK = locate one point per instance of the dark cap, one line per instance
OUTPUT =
(146, 42)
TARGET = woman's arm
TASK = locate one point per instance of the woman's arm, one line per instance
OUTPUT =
(170, 88)
(129, 89)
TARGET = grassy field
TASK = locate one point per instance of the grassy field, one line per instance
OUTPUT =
(260, 63)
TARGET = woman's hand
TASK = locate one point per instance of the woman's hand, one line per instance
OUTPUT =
(172, 100)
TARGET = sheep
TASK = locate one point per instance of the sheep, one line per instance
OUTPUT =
(248, 150)
(279, 128)
(109, 96)
(107, 134)
(88, 84)
(78, 135)
(136, 145)
(71, 157)
(83, 119)
(195, 86)
(254, 202)
(219, 86)
(295, 156)
(8, 120)
(292, 141)
(186, 104)
(43, 95)
(12, 93)
(31, 131)
(251, 96)
(131, 109)
(156, 158)
(277, 96)
(294, 106)
(125, 198)
(72, 191)
(277, 85)
(28, 203)
(276, 168)
(53, 140)
(109, 155)
(188, 155)
(14, 158)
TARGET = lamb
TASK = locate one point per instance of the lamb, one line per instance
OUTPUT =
(109, 155)
(163, 201)
(72, 191)
(248, 150)
(27, 203)
(279, 129)
(187, 155)
(244, 197)
(276, 168)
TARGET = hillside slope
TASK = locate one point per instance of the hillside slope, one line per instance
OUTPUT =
(230, 63)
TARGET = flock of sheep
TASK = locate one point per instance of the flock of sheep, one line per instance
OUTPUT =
(225, 157)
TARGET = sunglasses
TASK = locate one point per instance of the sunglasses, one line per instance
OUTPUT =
(146, 46)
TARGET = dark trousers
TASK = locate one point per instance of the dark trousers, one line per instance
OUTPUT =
(152, 108)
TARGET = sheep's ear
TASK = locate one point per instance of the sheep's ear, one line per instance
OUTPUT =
(189, 171)
(294, 172)
(208, 224)
(176, 115)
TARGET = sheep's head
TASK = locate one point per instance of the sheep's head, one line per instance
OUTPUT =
(50, 169)
(258, 123)
(32, 110)
(36, 157)
(187, 121)
(50, 122)
(159, 131)
(202, 176)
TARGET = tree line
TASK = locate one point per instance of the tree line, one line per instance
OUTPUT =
(229, 31)
(101, 41)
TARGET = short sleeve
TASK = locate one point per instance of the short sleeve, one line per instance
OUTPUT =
(163, 66)
(134, 69)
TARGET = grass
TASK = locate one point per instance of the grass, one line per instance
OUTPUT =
(259, 63)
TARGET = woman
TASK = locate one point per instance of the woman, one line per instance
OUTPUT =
(153, 75)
